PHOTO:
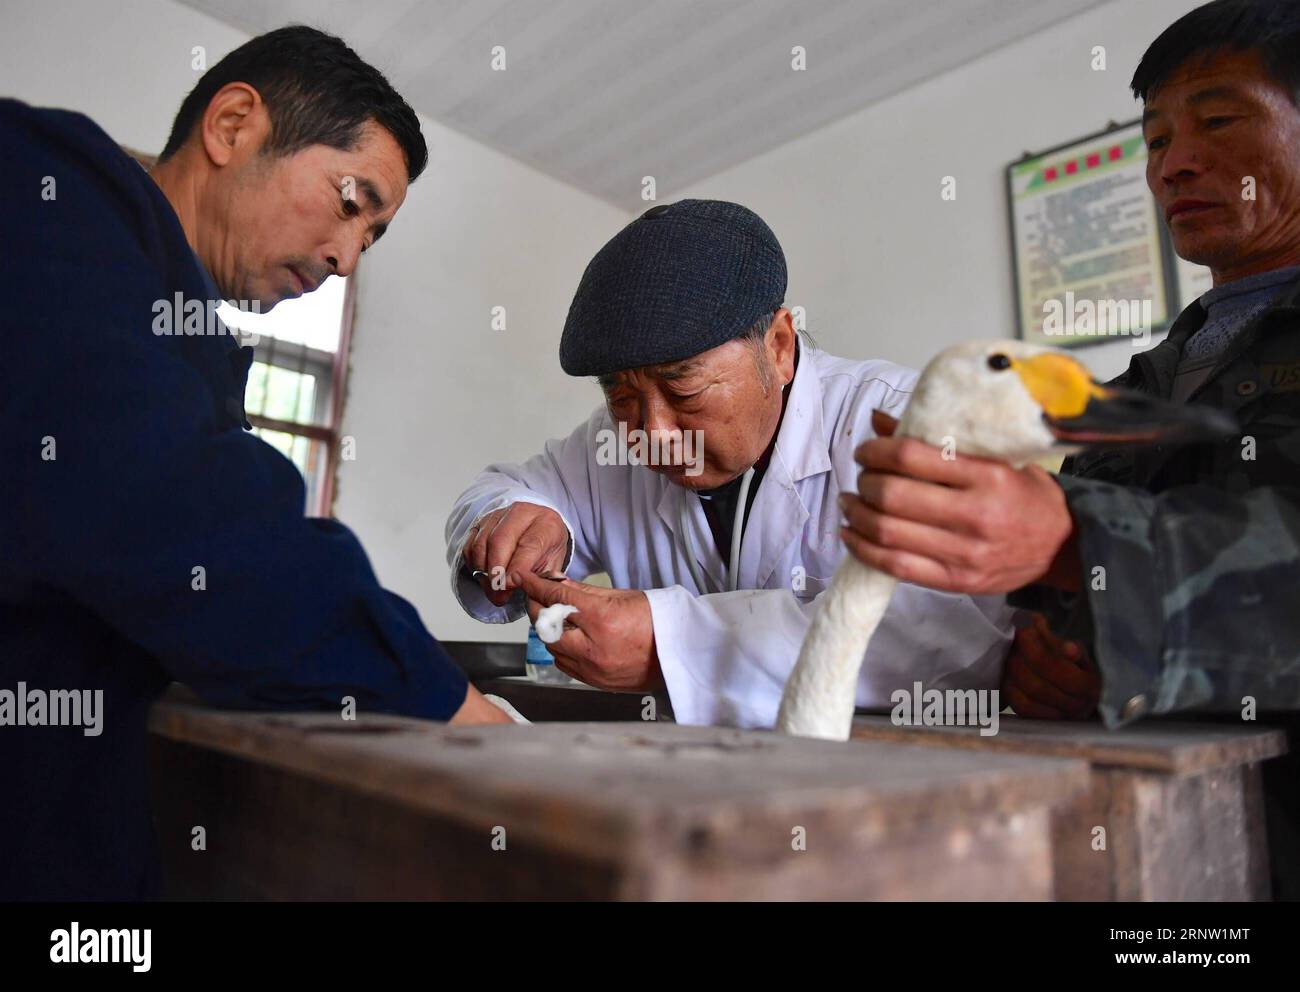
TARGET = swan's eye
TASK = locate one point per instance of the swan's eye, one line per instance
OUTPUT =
(999, 362)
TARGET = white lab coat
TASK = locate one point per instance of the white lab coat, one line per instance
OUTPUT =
(726, 656)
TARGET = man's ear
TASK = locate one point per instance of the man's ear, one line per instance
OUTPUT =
(234, 124)
(780, 343)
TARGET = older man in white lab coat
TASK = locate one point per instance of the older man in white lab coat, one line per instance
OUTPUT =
(707, 487)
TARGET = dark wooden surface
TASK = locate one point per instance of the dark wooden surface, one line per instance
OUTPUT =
(1155, 745)
(1180, 803)
(311, 806)
(486, 659)
(543, 703)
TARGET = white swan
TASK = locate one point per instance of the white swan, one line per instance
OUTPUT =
(992, 399)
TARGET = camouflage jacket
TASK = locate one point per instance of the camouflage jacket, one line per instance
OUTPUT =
(1191, 553)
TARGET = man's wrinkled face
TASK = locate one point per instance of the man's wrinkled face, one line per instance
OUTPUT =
(732, 394)
(1211, 128)
(289, 222)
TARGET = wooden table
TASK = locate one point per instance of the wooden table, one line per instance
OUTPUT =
(1180, 803)
(314, 807)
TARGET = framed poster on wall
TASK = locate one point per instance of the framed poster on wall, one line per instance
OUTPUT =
(1091, 255)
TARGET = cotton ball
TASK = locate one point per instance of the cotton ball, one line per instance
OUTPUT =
(550, 621)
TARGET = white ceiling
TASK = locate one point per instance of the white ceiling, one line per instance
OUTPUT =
(599, 93)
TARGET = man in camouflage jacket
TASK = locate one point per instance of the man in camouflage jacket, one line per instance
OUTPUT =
(1163, 578)
(1196, 606)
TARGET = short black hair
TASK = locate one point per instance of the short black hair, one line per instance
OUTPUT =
(1269, 27)
(317, 91)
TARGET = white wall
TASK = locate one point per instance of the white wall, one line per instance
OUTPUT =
(126, 64)
(434, 394)
(885, 267)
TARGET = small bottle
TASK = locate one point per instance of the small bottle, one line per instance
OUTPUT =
(538, 662)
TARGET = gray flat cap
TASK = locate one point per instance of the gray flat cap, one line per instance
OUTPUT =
(680, 279)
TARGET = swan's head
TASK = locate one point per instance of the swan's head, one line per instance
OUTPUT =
(1019, 402)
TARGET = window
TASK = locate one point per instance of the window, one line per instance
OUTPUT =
(295, 389)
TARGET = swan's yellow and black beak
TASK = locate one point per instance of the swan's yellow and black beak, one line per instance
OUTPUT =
(1079, 411)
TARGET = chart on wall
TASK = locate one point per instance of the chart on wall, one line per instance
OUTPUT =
(1093, 260)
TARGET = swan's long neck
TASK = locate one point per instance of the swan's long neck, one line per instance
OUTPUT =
(819, 696)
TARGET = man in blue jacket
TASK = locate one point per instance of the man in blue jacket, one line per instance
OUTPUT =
(145, 537)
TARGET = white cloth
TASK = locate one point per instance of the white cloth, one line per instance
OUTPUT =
(504, 706)
(726, 656)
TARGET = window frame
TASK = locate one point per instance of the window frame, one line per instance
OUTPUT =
(330, 368)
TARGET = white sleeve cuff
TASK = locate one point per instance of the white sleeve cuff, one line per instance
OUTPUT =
(469, 594)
